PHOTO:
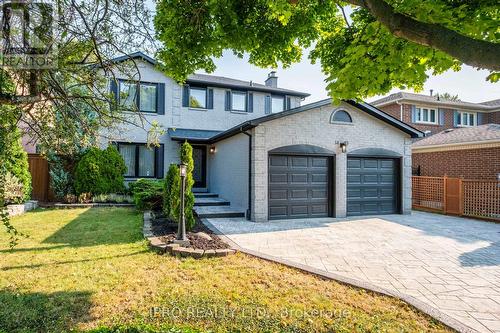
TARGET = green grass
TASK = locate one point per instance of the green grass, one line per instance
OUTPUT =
(83, 269)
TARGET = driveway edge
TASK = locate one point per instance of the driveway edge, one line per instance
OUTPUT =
(419, 305)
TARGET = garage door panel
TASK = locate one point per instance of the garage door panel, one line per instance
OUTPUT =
(298, 162)
(304, 193)
(371, 186)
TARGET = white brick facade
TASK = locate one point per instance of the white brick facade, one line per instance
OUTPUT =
(313, 127)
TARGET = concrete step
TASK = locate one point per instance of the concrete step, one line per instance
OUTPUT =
(208, 201)
(200, 190)
(205, 195)
(218, 212)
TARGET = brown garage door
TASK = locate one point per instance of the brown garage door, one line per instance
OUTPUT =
(298, 186)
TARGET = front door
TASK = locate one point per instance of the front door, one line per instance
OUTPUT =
(200, 166)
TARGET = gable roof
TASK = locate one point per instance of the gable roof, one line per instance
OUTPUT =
(370, 109)
(213, 80)
(420, 98)
(474, 134)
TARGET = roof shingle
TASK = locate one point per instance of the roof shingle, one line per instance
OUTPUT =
(480, 133)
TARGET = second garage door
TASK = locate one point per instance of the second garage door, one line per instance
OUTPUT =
(298, 186)
(372, 186)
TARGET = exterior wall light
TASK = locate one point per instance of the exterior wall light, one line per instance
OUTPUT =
(212, 150)
(343, 146)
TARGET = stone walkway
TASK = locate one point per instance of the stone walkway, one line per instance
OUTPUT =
(449, 263)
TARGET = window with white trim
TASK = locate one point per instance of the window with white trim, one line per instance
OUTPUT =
(426, 116)
(466, 119)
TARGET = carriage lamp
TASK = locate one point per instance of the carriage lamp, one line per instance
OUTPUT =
(212, 150)
(343, 146)
(181, 231)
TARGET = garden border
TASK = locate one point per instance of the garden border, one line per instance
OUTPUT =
(175, 249)
(419, 305)
(91, 205)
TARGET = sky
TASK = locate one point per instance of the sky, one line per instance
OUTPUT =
(469, 84)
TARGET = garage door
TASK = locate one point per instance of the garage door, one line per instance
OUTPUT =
(372, 186)
(298, 186)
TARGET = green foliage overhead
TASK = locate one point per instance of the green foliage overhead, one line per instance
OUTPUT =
(380, 46)
(100, 171)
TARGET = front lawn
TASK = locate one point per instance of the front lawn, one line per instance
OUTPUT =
(85, 268)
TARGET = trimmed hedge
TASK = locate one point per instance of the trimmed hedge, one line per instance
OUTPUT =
(100, 171)
(147, 193)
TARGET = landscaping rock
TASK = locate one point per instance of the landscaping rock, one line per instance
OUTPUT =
(170, 247)
(209, 253)
(203, 235)
(223, 252)
(197, 253)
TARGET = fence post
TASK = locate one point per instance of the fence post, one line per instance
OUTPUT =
(460, 197)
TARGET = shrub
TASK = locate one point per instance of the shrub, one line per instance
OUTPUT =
(61, 181)
(171, 178)
(13, 189)
(172, 189)
(100, 171)
(85, 198)
(16, 162)
(148, 194)
(70, 198)
(113, 197)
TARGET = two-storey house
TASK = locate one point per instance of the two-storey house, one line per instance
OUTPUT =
(257, 151)
(431, 114)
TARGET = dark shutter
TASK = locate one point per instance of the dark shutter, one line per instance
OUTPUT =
(210, 98)
(455, 118)
(160, 96)
(113, 88)
(288, 103)
(267, 105)
(227, 100)
(185, 95)
(159, 156)
(441, 116)
(284, 102)
(479, 118)
(249, 102)
(413, 114)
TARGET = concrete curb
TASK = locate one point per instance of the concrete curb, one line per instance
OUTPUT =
(419, 305)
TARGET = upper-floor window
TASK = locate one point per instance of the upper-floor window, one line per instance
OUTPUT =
(239, 101)
(426, 115)
(277, 103)
(465, 119)
(141, 96)
(198, 97)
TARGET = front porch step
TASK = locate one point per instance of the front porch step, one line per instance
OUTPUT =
(208, 201)
(200, 190)
(217, 212)
(205, 195)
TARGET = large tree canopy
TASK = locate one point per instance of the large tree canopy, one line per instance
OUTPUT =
(380, 45)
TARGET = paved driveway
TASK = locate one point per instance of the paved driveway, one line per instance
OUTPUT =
(450, 263)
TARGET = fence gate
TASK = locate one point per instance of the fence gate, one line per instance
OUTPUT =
(453, 196)
(39, 169)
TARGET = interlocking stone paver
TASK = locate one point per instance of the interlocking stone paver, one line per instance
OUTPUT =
(450, 263)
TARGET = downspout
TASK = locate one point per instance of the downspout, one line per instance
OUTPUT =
(249, 210)
(400, 110)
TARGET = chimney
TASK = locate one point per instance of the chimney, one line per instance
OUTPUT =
(272, 80)
(432, 90)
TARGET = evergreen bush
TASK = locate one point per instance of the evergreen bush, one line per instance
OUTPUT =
(171, 178)
(147, 193)
(100, 171)
(16, 162)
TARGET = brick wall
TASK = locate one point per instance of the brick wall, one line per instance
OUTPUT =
(470, 163)
(395, 111)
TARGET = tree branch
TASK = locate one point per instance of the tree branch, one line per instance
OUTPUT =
(470, 51)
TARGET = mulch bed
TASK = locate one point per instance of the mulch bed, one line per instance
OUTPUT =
(167, 230)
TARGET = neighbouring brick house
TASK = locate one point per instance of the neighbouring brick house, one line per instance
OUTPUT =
(470, 153)
(432, 115)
